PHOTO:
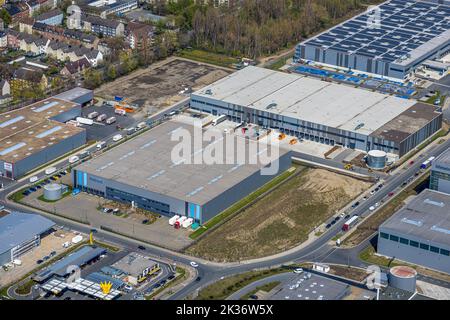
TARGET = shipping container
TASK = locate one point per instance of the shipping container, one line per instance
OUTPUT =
(101, 117)
(85, 121)
(173, 220)
(92, 115)
(110, 120)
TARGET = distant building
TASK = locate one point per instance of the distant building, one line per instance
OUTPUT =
(20, 233)
(5, 91)
(139, 34)
(17, 11)
(419, 232)
(136, 268)
(440, 173)
(72, 69)
(78, 95)
(32, 44)
(13, 39)
(3, 39)
(73, 37)
(27, 78)
(103, 27)
(106, 7)
(53, 17)
(37, 134)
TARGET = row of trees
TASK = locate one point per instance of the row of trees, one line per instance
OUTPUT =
(256, 27)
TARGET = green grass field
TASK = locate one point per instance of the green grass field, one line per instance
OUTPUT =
(209, 57)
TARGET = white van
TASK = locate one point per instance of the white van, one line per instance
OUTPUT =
(50, 170)
(74, 159)
(101, 145)
(33, 179)
(117, 137)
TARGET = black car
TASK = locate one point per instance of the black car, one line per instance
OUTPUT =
(156, 286)
(254, 297)
(62, 173)
(53, 178)
(45, 258)
(52, 253)
(347, 216)
(337, 219)
(39, 261)
(171, 277)
(145, 221)
(141, 247)
(38, 187)
(328, 226)
(198, 279)
(380, 185)
(26, 193)
(333, 222)
(355, 205)
(162, 282)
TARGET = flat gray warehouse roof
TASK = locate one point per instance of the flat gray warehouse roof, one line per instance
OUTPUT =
(146, 162)
(133, 264)
(426, 217)
(444, 157)
(312, 100)
(16, 228)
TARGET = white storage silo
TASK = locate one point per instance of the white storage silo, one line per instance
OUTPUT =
(376, 159)
(53, 191)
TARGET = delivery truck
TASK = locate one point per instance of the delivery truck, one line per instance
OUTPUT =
(110, 120)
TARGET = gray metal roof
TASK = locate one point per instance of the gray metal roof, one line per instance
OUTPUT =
(146, 162)
(426, 217)
(74, 94)
(16, 228)
(307, 99)
(133, 264)
(444, 158)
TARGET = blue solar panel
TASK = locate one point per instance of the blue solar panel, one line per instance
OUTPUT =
(405, 25)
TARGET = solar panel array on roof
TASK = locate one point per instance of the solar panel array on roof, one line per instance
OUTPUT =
(404, 26)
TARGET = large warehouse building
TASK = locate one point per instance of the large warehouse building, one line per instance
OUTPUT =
(440, 173)
(141, 171)
(19, 233)
(419, 232)
(407, 33)
(320, 111)
(36, 134)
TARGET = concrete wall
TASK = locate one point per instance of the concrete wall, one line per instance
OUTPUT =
(242, 189)
(46, 155)
(411, 254)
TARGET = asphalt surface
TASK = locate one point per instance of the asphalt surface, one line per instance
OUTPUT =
(209, 272)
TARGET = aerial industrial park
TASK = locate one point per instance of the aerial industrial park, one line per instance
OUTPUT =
(139, 163)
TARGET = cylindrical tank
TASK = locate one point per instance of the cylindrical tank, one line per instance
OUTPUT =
(376, 159)
(52, 192)
(404, 278)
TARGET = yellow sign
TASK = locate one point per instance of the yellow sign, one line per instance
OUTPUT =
(106, 287)
(91, 238)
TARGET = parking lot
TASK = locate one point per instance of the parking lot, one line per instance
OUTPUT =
(51, 243)
(85, 208)
(159, 85)
(99, 131)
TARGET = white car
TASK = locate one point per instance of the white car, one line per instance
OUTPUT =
(298, 270)
(194, 264)
(377, 205)
(372, 208)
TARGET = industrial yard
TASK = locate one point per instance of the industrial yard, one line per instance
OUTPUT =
(282, 219)
(159, 85)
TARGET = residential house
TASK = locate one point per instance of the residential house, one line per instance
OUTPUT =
(139, 34)
(3, 39)
(27, 78)
(33, 6)
(103, 27)
(13, 39)
(73, 69)
(57, 33)
(5, 92)
(17, 11)
(32, 44)
(65, 52)
(26, 25)
(53, 17)
(2, 24)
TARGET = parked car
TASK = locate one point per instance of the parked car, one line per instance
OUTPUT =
(194, 264)
(198, 279)
(328, 226)
(141, 247)
(298, 270)
(39, 261)
(146, 221)
(53, 253)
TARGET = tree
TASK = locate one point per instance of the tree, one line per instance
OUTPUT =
(5, 16)
(111, 72)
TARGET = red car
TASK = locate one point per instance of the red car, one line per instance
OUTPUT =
(390, 194)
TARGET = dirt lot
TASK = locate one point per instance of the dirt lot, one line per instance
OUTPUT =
(158, 86)
(51, 242)
(281, 220)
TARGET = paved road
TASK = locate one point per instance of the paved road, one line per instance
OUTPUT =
(210, 272)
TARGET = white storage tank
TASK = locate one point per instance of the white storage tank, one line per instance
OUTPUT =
(376, 159)
(404, 278)
(53, 191)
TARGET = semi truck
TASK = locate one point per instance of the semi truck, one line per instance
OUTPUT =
(173, 220)
(427, 163)
(85, 121)
(92, 115)
(219, 119)
(350, 223)
(102, 117)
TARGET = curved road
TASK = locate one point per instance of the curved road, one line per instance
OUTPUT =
(210, 272)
